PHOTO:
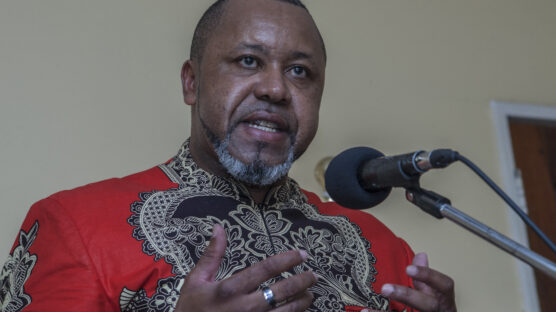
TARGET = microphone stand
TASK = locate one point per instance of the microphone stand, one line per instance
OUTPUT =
(440, 207)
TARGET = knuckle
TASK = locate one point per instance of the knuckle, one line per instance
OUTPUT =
(272, 265)
(209, 252)
(449, 284)
(225, 290)
(402, 291)
(424, 273)
(446, 285)
(289, 290)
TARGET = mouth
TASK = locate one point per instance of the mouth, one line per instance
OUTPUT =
(264, 125)
(264, 135)
(267, 122)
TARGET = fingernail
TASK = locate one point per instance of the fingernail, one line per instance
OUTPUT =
(316, 276)
(411, 270)
(215, 230)
(303, 254)
(387, 289)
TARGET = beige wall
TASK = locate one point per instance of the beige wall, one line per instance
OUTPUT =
(90, 90)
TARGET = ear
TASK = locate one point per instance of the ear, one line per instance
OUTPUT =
(188, 83)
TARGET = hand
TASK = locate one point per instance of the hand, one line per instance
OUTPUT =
(434, 291)
(201, 292)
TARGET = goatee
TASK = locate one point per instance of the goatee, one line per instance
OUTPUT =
(255, 173)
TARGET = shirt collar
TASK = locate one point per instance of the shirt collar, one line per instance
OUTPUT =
(185, 167)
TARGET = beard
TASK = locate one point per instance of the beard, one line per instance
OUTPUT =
(254, 173)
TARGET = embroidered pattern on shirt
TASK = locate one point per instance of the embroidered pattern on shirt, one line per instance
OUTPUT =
(16, 271)
(165, 298)
(171, 226)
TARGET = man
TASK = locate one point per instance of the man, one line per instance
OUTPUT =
(221, 227)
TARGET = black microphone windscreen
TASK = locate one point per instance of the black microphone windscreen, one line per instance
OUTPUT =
(342, 179)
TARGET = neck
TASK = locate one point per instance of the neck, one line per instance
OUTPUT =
(211, 164)
(258, 193)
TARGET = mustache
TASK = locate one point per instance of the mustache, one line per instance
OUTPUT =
(267, 108)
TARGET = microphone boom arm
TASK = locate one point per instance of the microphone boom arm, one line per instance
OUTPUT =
(440, 207)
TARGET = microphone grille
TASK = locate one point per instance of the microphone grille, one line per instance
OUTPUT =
(342, 179)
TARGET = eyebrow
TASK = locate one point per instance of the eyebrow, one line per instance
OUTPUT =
(296, 55)
(301, 55)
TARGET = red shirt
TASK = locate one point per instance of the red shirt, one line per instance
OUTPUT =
(126, 244)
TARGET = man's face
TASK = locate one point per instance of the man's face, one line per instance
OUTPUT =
(259, 83)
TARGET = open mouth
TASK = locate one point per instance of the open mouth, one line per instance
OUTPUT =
(264, 125)
(270, 123)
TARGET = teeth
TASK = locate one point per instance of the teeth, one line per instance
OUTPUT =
(264, 125)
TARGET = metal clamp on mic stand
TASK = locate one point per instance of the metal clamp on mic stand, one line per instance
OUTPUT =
(440, 207)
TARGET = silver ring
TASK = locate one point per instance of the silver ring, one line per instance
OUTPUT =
(269, 296)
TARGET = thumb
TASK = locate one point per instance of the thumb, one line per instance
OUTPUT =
(207, 266)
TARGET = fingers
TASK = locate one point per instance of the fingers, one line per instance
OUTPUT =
(432, 278)
(289, 288)
(421, 259)
(410, 297)
(293, 285)
(434, 290)
(250, 278)
(290, 294)
(207, 266)
(238, 292)
(299, 303)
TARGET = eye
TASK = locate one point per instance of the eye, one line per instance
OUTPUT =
(299, 71)
(248, 61)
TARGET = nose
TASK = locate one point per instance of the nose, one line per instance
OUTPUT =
(272, 86)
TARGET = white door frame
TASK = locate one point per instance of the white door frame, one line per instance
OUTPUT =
(501, 112)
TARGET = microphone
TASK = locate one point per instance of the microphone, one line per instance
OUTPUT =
(362, 177)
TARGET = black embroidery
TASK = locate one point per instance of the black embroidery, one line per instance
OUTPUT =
(176, 225)
(16, 271)
(164, 300)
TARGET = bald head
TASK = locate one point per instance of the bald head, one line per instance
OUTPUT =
(211, 18)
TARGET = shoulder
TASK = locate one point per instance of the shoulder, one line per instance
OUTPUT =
(115, 190)
(102, 203)
(149, 179)
(70, 235)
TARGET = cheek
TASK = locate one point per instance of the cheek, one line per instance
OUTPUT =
(212, 105)
(308, 121)
(225, 92)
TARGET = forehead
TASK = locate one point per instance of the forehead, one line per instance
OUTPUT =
(273, 24)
